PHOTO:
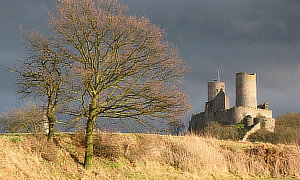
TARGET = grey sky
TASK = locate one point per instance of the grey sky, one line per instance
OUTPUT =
(232, 36)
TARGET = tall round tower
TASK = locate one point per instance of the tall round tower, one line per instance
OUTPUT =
(246, 90)
(214, 88)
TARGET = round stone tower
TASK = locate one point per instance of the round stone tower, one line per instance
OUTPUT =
(214, 88)
(246, 90)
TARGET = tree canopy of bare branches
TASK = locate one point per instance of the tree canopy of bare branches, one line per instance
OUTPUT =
(41, 75)
(121, 67)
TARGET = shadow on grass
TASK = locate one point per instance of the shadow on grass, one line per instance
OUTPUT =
(73, 156)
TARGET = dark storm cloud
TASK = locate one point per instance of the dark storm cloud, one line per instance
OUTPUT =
(232, 35)
(16, 13)
(13, 13)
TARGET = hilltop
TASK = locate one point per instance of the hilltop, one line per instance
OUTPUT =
(145, 156)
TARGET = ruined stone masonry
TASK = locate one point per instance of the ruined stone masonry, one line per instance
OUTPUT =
(246, 111)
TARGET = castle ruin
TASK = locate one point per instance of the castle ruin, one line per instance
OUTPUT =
(217, 107)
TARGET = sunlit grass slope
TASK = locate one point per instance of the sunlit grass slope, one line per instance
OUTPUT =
(145, 156)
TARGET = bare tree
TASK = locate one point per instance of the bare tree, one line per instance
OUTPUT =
(176, 127)
(27, 119)
(42, 74)
(122, 66)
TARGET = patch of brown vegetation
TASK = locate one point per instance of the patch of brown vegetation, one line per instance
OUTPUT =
(145, 156)
(265, 160)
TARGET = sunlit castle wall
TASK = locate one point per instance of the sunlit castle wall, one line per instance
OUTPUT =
(246, 90)
(214, 88)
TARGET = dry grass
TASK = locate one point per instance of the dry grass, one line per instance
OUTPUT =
(145, 156)
(265, 160)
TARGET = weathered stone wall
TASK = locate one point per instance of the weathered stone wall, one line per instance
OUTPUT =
(269, 124)
(252, 131)
(232, 116)
(197, 122)
(224, 116)
(237, 114)
(221, 101)
(240, 112)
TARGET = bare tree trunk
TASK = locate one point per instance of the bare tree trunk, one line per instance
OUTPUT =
(51, 126)
(50, 117)
(89, 150)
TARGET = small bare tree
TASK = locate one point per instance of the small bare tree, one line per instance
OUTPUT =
(27, 119)
(177, 127)
(42, 74)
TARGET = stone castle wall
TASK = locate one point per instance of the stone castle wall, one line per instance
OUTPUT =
(240, 112)
(221, 101)
(269, 124)
(197, 122)
(231, 116)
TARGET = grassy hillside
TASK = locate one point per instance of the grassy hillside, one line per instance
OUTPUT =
(142, 156)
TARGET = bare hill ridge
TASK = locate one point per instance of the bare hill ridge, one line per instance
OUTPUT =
(144, 156)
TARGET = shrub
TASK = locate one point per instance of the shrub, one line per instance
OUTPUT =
(106, 146)
(222, 131)
(264, 136)
(47, 150)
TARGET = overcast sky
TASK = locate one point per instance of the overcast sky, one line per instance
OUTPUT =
(230, 36)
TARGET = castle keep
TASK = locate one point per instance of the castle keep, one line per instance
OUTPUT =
(246, 110)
